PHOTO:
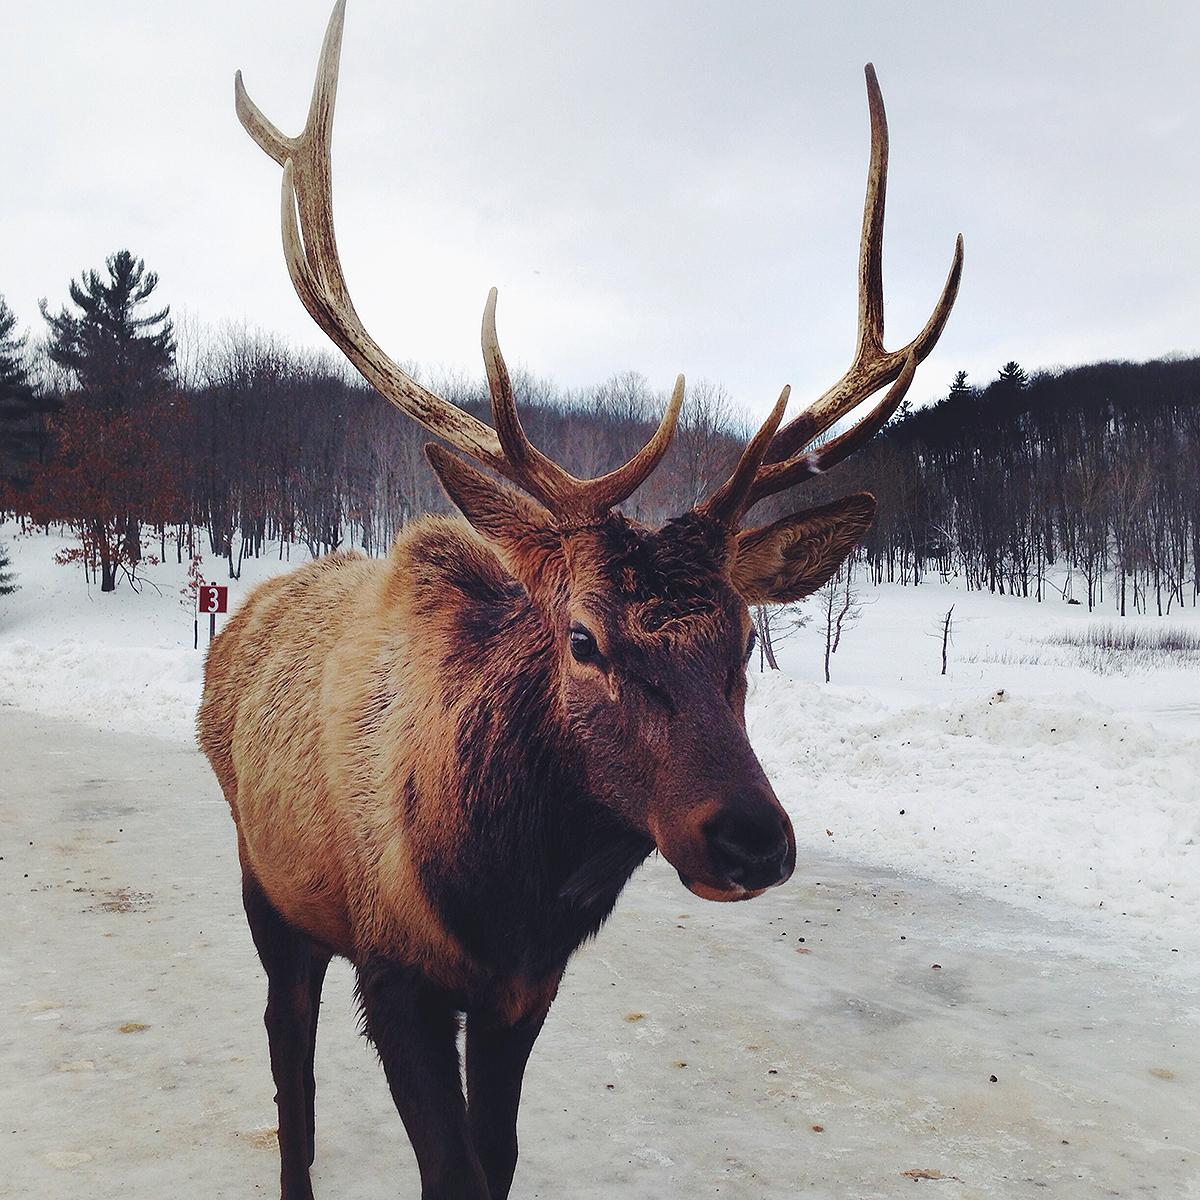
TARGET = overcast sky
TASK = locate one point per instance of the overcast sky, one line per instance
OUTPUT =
(658, 186)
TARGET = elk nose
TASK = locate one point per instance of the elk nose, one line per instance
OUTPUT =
(748, 848)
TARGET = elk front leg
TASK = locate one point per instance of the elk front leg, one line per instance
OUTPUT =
(496, 1058)
(415, 1031)
(316, 981)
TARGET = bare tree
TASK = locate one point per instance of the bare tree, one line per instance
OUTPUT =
(773, 625)
(840, 608)
(704, 446)
(946, 634)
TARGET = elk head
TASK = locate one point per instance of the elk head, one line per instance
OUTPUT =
(651, 628)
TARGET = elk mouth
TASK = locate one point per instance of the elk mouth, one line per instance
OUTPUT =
(730, 893)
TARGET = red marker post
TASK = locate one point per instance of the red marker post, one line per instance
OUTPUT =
(212, 599)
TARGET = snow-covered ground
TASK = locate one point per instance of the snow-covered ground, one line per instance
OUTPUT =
(1020, 774)
(839, 1038)
(984, 974)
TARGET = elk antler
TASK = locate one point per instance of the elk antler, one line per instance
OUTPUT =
(310, 249)
(541, 476)
(785, 461)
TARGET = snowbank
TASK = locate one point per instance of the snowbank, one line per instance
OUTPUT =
(1018, 775)
(1055, 803)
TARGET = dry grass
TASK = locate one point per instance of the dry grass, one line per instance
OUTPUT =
(1005, 658)
(1109, 648)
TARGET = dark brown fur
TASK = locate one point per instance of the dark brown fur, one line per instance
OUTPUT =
(425, 781)
(446, 766)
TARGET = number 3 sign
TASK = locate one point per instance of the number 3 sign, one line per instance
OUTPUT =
(213, 599)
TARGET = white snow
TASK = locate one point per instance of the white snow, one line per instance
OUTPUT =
(838, 1038)
(1021, 774)
(994, 989)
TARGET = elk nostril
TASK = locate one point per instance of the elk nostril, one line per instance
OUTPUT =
(749, 849)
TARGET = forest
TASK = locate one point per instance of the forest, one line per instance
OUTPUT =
(143, 437)
(1091, 471)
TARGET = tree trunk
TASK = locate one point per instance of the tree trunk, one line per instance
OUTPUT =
(766, 646)
(946, 636)
(133, 540)
(108, 569)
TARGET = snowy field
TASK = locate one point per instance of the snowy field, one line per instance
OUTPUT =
(1021, 774)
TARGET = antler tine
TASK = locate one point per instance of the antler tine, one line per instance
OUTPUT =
(870, 245)
(728, 502)
(602, 493)
(556, 488)
(775, 477)
(537, 474)
(310, 248)
(873, 366)
(310, 152)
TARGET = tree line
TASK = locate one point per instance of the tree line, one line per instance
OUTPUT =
(147, 437)
(1082, 483)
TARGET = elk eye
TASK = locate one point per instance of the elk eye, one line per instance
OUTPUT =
(583, 645)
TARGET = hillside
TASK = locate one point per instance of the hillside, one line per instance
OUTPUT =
(1091, 469)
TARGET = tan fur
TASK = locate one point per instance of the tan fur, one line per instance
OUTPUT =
(326, 712)
(319, 703)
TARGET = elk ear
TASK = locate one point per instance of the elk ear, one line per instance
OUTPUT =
(790, 559)
(519, 529)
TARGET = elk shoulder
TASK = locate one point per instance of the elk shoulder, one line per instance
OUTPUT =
(329, 703)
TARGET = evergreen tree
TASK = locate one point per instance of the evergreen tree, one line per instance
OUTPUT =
(7, 586)
(1012, 376)
(108, 470)
(18, 401)
(15, 388)
(959, 389)
(118, 354)
(902, 413)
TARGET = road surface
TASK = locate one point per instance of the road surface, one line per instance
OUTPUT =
(855, 1034)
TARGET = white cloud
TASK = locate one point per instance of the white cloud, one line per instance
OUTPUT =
(658, 186)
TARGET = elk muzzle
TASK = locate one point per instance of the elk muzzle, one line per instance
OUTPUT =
(733, 849)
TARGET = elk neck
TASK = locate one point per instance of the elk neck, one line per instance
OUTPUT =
(540, 860)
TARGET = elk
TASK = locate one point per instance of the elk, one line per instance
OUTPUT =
(446, 765)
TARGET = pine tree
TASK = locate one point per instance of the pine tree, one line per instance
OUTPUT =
(117, 354)
(15, 388)
(959, 389)
(1013, 377)
(107, 471)
(7, 586)
(18, 400)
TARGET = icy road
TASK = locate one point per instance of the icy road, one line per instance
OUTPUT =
(856, 1033)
